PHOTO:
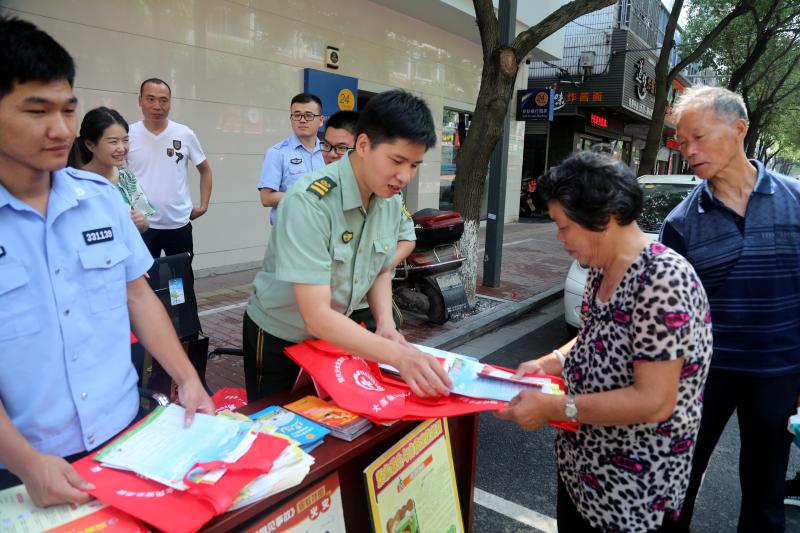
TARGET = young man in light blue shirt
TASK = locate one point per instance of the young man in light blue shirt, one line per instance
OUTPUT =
(294, 156)
(71, 283)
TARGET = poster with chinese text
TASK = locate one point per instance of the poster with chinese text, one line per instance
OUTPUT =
(412, 486)
(318, 508)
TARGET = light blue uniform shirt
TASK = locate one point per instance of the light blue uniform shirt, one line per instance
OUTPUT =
(67, 381)
(284, 163)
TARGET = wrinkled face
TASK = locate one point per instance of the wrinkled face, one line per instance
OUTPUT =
(155, 102)
(37, 127)
(336, 139)
(708, 142)
(580, 243)
(389, 166)
(112, 147)
(306, 127)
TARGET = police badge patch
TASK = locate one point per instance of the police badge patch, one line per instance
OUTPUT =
(170, 152)
(176, 144)
(347, 236)
(96, 236)
(321, 187)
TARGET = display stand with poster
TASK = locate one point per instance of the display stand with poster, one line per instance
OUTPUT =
(317, 508)
(412, 486)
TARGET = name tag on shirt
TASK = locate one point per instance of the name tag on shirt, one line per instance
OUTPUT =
(295, 161)
(96, 236)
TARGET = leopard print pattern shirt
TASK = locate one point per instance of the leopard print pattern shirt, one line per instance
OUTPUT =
(625, 478)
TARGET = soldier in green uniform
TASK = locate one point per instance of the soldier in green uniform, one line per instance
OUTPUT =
(333, 243)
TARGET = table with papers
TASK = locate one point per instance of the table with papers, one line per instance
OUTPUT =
(350, 459)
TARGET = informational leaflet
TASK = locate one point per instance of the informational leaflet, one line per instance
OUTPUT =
(472, 378)
(18, 514)
(162, 449)
(318, 508)
(412, 486)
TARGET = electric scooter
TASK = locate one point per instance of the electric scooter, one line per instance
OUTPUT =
(427, 281)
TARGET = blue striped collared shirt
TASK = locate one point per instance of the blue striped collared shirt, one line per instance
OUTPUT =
(750, 268)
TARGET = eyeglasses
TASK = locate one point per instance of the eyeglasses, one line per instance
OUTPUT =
(308, 116)
(342, 149)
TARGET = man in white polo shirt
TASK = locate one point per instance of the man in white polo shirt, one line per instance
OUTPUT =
(160, 151)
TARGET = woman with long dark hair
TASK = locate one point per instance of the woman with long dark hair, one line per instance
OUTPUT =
(101, 148)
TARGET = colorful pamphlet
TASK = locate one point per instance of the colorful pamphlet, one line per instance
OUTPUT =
(276, 419)
(342, 423)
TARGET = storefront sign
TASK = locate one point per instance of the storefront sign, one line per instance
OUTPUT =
(562, 98)
(644, 83)
(535, 104)
(337, 92)
(559, 101)
(640, 107)
(675, 91)
(412, 486)
(598, 121)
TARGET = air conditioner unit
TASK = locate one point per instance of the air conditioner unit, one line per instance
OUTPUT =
(586, 59)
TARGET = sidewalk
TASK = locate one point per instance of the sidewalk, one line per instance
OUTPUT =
(533, 272)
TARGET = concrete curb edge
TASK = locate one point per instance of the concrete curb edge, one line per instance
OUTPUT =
(486, 322)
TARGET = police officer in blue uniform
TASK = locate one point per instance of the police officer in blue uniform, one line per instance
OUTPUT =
(294, 156)
(71, 282)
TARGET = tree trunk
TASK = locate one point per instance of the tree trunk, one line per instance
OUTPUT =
(497, 85)
(664, 80)
(500, 65)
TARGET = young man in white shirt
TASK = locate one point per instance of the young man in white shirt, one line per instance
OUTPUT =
(160, 151)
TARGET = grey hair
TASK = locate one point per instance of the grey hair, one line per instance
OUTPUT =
(727, 105)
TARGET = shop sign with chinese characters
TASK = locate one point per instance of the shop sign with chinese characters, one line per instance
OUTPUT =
(535, 104)
(563, 98)
(644, 83)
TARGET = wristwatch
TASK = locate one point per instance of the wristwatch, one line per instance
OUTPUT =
(570, 409)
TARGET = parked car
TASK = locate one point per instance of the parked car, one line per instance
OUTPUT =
(661, 194)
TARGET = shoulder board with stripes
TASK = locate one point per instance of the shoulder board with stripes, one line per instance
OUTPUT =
(322, 186)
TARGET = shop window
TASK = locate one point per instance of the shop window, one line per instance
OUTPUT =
(455, 125)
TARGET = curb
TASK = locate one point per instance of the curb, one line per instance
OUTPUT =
(492, 319)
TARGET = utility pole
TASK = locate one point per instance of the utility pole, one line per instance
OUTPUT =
(498, 169)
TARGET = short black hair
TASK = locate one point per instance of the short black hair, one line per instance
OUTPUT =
(29, 54)
(592, 187)
(344, 120)
(397, 114)
(94, 124)
(306, 98)
(157, 81)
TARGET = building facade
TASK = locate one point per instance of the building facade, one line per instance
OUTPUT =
(605, 89)
(234, 65)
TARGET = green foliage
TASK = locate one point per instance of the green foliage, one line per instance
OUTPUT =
(757, 55)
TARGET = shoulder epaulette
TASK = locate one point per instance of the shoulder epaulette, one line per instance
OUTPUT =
(322, 186)
(85, 175)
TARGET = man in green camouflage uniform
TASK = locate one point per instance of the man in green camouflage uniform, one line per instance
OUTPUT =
(332, 245)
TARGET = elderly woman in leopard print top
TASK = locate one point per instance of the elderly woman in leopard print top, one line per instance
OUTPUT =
(636, 371)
